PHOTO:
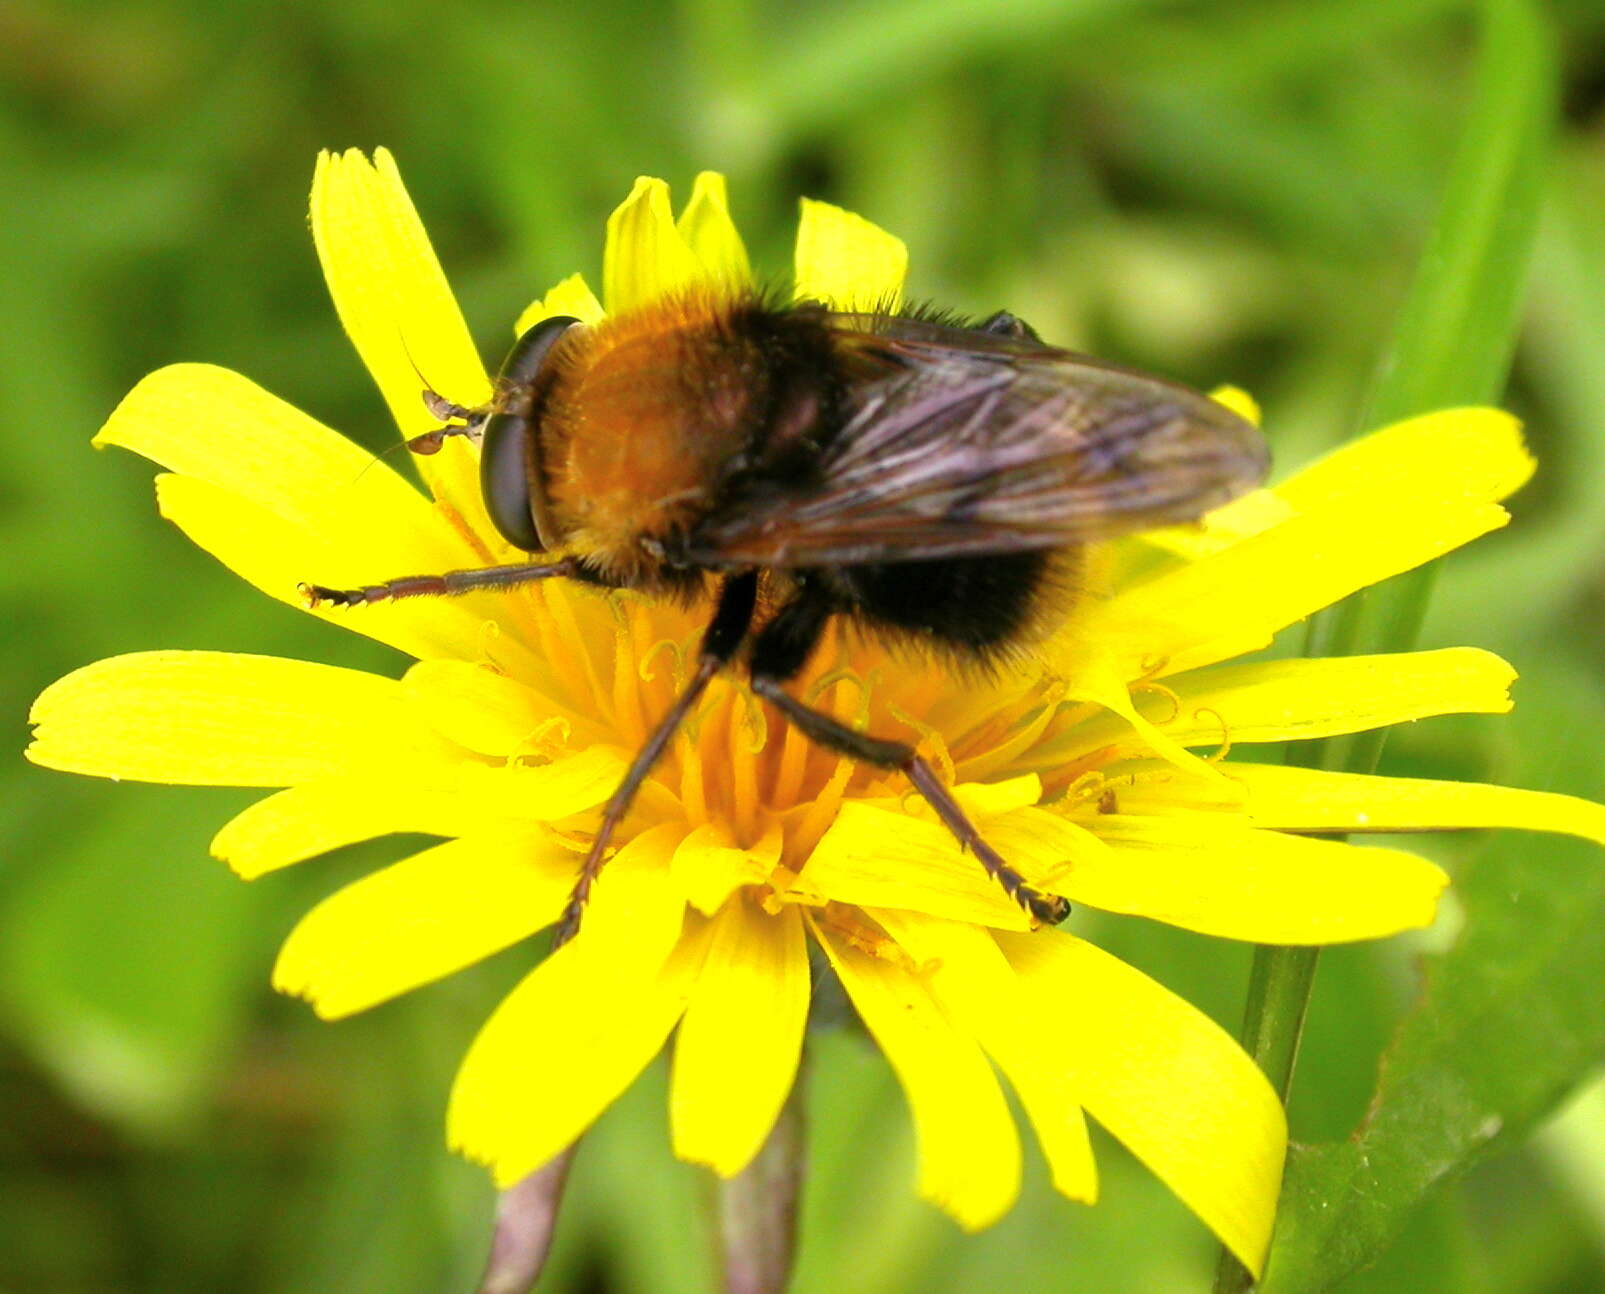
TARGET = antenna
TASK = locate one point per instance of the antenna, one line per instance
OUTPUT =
(457, 419)
(448, 411)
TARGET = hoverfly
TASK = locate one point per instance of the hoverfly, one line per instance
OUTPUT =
(927, 479)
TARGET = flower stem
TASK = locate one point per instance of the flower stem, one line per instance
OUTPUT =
(1273, 1021)
(1278, 996)
(757, 1209)
(526, 1215)
(1451, 345)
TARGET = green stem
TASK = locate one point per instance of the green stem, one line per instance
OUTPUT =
(1451, 345)
(1278, 996)
(1273, 1022)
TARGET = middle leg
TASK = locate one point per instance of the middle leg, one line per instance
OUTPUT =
(781, 650)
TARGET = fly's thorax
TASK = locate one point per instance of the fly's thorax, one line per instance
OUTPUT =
(653, 413)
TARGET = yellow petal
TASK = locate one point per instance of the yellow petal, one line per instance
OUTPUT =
(397, 308)
(711, 234)
(646, 257)
(1151, 786)
(974, 984)
(736, 1054)
(423, 918)
(1305, 799)
(882, 858)
(223, 719)
(988, 799)
(1043, 844)
(1453, 455)
(1229, 524)
(579, 1028)
(277, 555)
(1165, 1079)
(1232, 602)
(969, 1150)
(709, 866)
(570, 297)
(1238, 401)
(1197, 872)
(635, 916)
(305, 821)
(847, 262)
(558, 1051)
(482, 709)
(1464, 455)
(213, 424)
(1292, 700)
(1101, 680)
(459, 799)
(288, 467)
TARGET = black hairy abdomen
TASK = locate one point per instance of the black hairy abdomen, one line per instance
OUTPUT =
(975, 604)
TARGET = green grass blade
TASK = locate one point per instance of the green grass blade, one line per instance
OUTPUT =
(1458, 327)
(1453, 345)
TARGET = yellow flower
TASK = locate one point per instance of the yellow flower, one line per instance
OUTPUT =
(516, 722)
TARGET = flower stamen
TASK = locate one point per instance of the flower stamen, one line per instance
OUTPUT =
(930, 738)
(1025, 732)
(460, 527)
(843, 921)
(754, 721)
(841, 674)
(745, 743)
(562, 644)
(1152, 667)
(1147, 685)
(626, 689)
(822, 812)
(1086, 787)
(646, 667)
(1068, 713)
(489, 632)
(1225, 733)
(790, 769)
(540, 742)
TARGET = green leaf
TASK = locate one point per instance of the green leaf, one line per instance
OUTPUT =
(1452, 345)
(1552, 553)
(1455, 336)
(1509, 1019)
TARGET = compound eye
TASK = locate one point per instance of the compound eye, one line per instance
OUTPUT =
(504, 478)
(523, 363)
(510, 474)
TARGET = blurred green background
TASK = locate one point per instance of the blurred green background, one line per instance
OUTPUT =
(1221, 192)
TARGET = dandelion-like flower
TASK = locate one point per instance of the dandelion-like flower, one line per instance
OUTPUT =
(748, 843)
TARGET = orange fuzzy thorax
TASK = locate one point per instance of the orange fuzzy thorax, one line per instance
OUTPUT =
(644, 414)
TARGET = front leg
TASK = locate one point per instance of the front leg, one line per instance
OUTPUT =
(778, 655)
(738, 598)
(448, 585)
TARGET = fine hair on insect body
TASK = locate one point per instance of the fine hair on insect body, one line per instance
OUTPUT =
(928, 480)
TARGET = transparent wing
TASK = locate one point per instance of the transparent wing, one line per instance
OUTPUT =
(963, 443)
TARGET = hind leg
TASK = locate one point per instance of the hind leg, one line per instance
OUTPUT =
(779, 653)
